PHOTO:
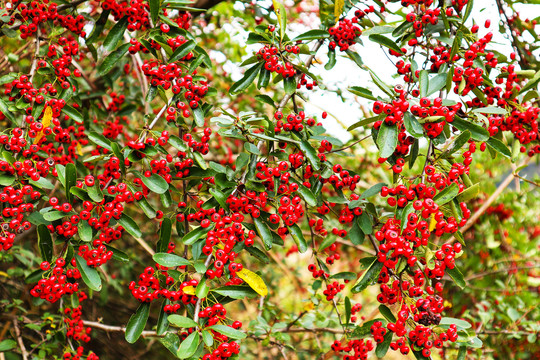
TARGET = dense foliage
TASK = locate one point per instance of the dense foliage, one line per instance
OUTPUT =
(165, 192)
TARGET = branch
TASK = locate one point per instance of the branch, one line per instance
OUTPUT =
(199, 300)
(20, 341)
(507, 270)
(110, 328)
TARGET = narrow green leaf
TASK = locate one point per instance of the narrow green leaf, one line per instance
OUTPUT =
(99, 25)
(298, 238)
(71, 180)
(311, 35)
(100, 140)
(194, 235)
(384, 41)
(499, 147)
(95, 192)
(137, 322)
(423, 80)
(130, 225)
(228, 331)
(89, 275)
(412, 125)
(115, 34)
(45, 242)
(459, 142)
(165, 232)
(246, 80)
(155, 183)
(264, 232)
(154, 9)
(369, 276)
(457, 276)
(73, 113)
(181, 321)
(382, 348)
(447, 194)
(289, 85)
(111, 60)
(478, 133)
(331, 60)
(188, 347)
(310, 153)
(307, 195)
(387, 140)
(170, 260)
(182, 50)
(436, 83)
(7, 344)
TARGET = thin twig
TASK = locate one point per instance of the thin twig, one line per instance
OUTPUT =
(348, 146)
(20, 341)
(199, 300)
(110, 328)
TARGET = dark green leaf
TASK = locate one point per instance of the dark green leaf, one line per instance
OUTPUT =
(331, 60)
(99, 25)
(100, 140)
(245, 81)
(383, 347)
(387, 313)
(264, 232)
(95, 192)
(459, 142)
(311, 35)
(307, 195)
(383, 40)
(236, 291)
(478, 133)
(363, 92)
(364, 330)
(457, 276)
(130, 225)
(45, 242)
(310, 153)
(264, 78)
(165, 232)
(72, 113)
(170, 260)
(71, 180)
(194, 235)
(499, 147)
(7, 113)
(155, 183)
(228, 331)
(423, 80)
(154, 10)
(111, 60)
(369, 276)
(137, 322)
(447, 194)
(298, 238)
(89, 275)
(412, 125)
(387, 140)
(181, 321)
(182, 50)
(115, 34)
(289, 84)
(364, 122)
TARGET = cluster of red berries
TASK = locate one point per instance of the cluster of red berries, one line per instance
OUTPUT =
(35, 13)
(135, 10)
(275, 60)
(58, 283)
(359, 349)
(344, 33)
(79, 355)
(75, 327)
(294, 122)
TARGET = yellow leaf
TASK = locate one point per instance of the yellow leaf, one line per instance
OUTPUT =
(447, 304)
(79, 149)
(433, 223)
(4, 274)
(309, 306)
(254, 281)
(47, 117)
(189, 290)
(338, 8)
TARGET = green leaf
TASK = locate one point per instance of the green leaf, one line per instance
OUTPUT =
(154, 10)
(469, 193)
(289, 84)
(459, 142)
(531, 83)
(155, 183)
(236, 291)
(364, 330)
(264, 79)
(281, 14)
(182, 50)
(307, 195)
(7, 113)
(478, 133)
(364, 122)
(89, 275)
(369, 276)
(118, 255)
(387, 140)
(310, 153)
(384, 41)
(363, 92)
(311, 35)
(457, 276)
(468, 11)
(99, 25)
(72, 113)
(264, 232)
(462, 354)
(382, 348)
(490, 110)
(137, 322)
(461, 324)
(130, 225)
(412, 125)
(115, 34)
(499, 147)
(246, 81)
(194, 235)
(95, 192)
(6, 180)
(436, 83)
(162, 323)
(423, 80)
(331, 60)
(181, 321)
(228, 331)
(45, 242)
(170, 260)
(387, 313)
(100, 140)
(202, 289)
(447, 194)
(85, 231)
(71, 180)
(54, 215)
(165, 232)
(111, 60)
(298, 238)
(7, 344)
